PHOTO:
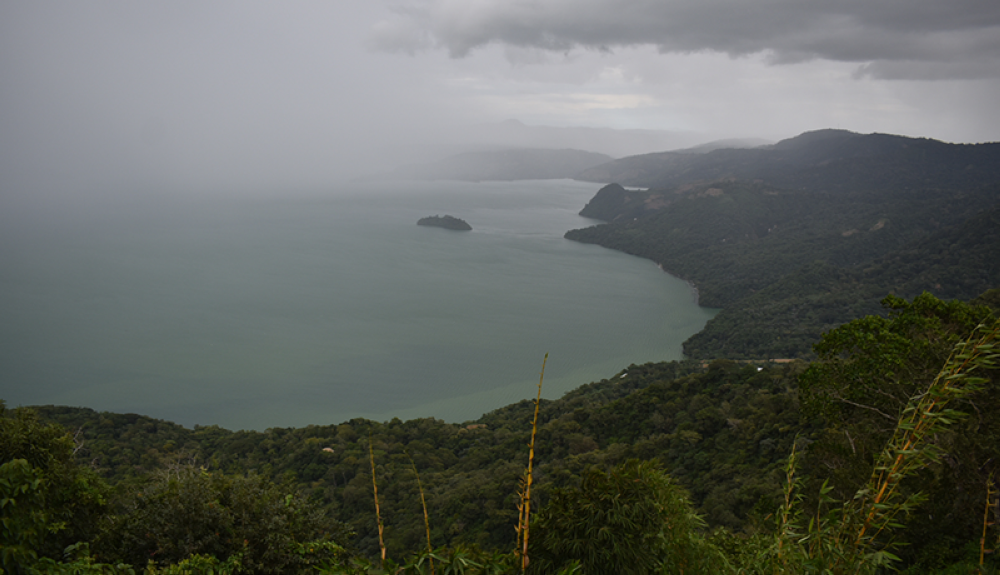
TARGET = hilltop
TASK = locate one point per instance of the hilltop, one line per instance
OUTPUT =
(830, 160)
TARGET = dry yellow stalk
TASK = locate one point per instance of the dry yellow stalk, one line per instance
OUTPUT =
(427, 522)
(378, 514)
(526, 499)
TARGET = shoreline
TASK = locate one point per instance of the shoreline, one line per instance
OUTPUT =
(694, 289)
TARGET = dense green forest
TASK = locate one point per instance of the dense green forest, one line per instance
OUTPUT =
(795, 239)
(670, 467)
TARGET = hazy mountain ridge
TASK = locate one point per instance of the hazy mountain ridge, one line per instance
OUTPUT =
(513, 151)
(727, 143)
(510, 164)
(828, 205)
(822, 159)
(617, 143)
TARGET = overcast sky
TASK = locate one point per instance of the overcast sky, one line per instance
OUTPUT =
(204, 93)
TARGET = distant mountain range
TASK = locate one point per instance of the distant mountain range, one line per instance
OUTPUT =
(820, 161)
(513, 164)
(795, 238)
(738, 143)
(824, 159)
(521, 163)
(617, 143)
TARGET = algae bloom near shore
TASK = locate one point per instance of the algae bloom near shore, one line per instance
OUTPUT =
(446, 221)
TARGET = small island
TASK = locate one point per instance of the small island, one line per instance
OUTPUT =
(446, 222)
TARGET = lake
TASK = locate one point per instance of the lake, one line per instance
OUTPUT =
(278, 310)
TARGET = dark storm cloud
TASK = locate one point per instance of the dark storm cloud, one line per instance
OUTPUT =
(919, 39)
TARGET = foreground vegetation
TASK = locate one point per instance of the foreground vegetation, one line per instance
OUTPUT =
(881, 454)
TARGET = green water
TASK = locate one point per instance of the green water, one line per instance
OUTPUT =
(296, 309)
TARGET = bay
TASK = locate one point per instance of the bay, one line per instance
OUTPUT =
(288, 309)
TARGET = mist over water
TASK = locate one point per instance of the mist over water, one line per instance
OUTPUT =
(275, 311)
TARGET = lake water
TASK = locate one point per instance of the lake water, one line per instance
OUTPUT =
(316, 308)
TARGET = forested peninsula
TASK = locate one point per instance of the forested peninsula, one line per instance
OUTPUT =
(794, 239)
(841, 414)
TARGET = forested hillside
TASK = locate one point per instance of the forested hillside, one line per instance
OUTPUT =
(715, 439)
(794, 239)
(470, 470)
(706, 454)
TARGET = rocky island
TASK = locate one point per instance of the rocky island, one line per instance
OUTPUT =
(446, 222)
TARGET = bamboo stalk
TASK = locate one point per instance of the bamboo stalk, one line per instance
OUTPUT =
(378, 514)
(520, 516)
(786, 509)
(907, 450)
(526, 501)
(427, 522)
